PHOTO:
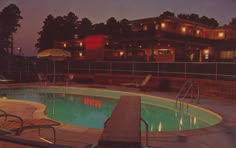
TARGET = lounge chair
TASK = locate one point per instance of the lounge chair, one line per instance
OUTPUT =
(5, 80)
(69, 78)
(43, 78)
(141, 85)
(15, 125)
(31, 143)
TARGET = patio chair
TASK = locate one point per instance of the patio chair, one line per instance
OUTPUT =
(15, 125)
(43, 78)
(3, 79)
(141, 85)
(69, 78)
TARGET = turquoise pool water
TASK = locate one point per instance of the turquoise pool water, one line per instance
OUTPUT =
(91, 107)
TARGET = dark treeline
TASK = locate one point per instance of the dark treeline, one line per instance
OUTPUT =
(69, 27)
(9, 23)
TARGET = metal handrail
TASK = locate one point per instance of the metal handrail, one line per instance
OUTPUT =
(196, 84)
(146, 124)
(177, 98)
(188, 85)
(185, 95)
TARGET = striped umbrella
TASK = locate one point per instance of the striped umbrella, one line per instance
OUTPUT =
(54, 54)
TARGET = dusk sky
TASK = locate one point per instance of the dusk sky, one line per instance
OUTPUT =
(34, 13)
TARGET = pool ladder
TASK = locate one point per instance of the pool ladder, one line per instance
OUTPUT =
(190, 89)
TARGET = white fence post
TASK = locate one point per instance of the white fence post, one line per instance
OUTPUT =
(216, 70)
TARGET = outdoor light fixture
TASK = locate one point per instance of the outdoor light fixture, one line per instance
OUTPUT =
(198, 32)
(80, 44)
(64, 45)
(206, 51)
(221, 34)
(206, 54)
(183, 29)
(121, 53)
(163, 49)
(80, 54)
(163, 25)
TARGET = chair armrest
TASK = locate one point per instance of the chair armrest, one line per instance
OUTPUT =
(3, 113)
(16, 119)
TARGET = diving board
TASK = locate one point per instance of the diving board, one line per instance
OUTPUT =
(123, 128)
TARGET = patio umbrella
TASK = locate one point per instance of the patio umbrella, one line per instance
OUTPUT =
(54, 54)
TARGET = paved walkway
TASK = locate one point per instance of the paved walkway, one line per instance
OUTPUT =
(222, 135)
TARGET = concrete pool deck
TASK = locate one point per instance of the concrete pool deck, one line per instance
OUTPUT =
(222, 135)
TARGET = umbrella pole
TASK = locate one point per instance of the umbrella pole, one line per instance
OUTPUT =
(54, 71)
(68, 66)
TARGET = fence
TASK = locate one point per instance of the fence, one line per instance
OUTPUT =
(26, 69)
(213, 70)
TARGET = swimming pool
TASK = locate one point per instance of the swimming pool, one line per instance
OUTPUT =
(90, 107)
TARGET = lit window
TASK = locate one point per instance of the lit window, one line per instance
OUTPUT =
(156, 27)
(145, 27)
(76, 36)
(183, 29)
(221, 34)
(163, 25)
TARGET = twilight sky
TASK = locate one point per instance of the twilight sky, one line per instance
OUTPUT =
(34, 13)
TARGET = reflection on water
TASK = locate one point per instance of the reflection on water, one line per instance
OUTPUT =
(159, 127)
(92, 102)
(92, 111)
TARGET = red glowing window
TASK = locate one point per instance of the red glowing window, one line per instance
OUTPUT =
(94, 42)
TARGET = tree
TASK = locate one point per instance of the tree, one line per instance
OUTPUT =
(203, 20)
(194, 17)
(167, 13)
(233, 22)
(57, 29)
(183, 16)
(208, 21)
(125, 28)
(85, 27)
(47, 34)
(113, 27)
(9, 23)
(99, 28)
(70, 26)
(213, 22)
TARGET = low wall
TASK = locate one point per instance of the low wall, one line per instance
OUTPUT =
(208, 88)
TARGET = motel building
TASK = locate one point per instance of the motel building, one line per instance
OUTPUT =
(160, 39)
